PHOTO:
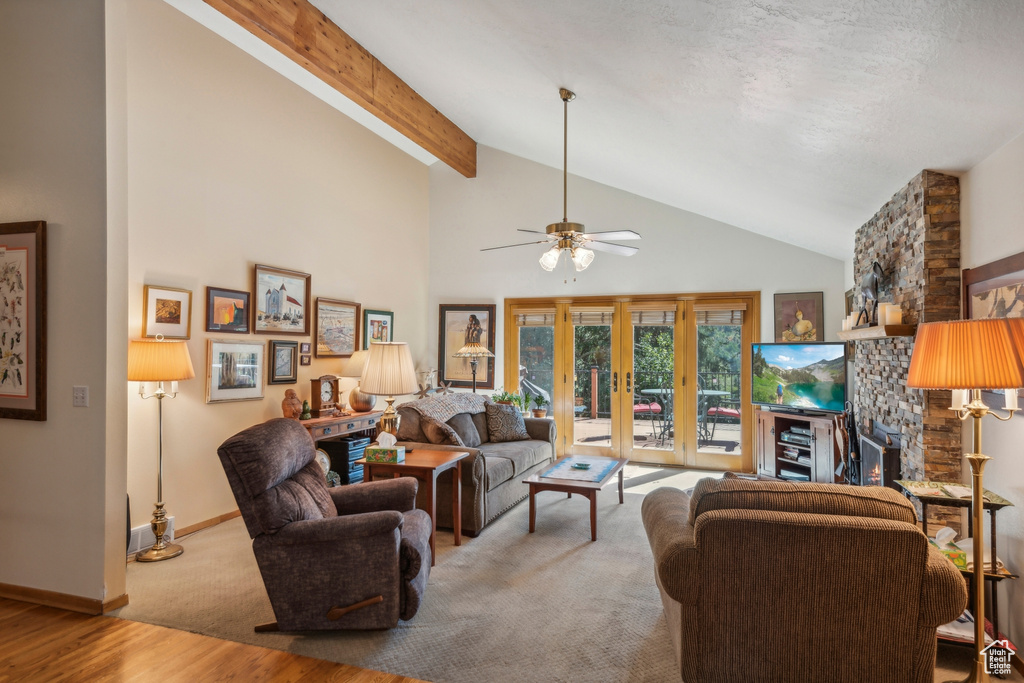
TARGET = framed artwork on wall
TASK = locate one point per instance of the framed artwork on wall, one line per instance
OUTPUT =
(995, 290)
(281, 301)
(282, 366)
(305, 360)
(227, 310)
(23, 320)
(305, 348)
(166, 311)
(458, 325)
(234, 370)
(799, 317)
(378, 326)
(337, 328)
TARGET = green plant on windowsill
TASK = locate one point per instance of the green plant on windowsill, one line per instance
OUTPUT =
(502, 396)
(539, 405)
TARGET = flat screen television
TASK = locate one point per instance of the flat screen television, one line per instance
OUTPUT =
(807, 377)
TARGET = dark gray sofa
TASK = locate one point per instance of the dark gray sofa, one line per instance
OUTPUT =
(492, 475)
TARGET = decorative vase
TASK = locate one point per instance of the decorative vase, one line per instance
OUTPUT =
(360, 402)
(307, 413)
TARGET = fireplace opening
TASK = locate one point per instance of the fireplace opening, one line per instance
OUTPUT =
(879, 457)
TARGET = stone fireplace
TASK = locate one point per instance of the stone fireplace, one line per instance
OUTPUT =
(915, 237)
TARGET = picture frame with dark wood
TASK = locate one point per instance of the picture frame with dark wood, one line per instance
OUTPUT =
(23, 282)
(227, 310)
(283, 362)
(799, 317)
(459, 324)
(337, 328)
(166, 311)
(378, 326)
(234, 370)
(281, 301)
(995, 290)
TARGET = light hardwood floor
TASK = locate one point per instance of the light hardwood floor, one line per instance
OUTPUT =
(46, 644)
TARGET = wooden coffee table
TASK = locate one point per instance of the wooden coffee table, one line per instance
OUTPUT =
(589, 489)
(425, 465)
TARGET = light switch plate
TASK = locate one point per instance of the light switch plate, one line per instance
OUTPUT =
(80, 397)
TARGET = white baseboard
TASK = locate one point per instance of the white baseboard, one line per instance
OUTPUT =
(143, 538)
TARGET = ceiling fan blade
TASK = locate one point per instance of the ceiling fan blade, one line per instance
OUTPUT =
(613, 235)
(538, 232)
(522, 244)
(617, 249)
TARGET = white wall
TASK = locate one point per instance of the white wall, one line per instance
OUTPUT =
(680, 251)
(992, 210)
(54, 477)
(229, 165)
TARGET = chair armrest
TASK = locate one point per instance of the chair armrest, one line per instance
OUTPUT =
(943, 591)
(334, 529)
(393, 494)
(541, 429)
(665, 512)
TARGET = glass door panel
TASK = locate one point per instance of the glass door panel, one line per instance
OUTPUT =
(653, 378)
(537, 362)
(592, 385)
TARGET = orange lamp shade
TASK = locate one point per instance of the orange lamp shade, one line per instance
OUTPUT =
(150, 360)
(968, 354)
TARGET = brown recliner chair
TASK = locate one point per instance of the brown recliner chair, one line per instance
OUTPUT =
(349, 557)
(769, 581)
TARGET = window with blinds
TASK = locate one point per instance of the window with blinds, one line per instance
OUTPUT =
(592, 315)
(534, 317)
(658, 314)
(712, 313)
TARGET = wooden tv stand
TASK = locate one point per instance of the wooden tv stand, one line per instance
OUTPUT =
(776, 457)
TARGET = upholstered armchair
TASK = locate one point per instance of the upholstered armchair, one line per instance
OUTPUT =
(793, 582)
(349, 557)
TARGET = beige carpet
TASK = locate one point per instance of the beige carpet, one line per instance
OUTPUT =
(507, 606)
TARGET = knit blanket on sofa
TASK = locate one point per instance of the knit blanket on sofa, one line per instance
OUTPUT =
(439, 409)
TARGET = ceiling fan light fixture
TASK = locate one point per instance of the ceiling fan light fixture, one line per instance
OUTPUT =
(549, 259)
(581, 258)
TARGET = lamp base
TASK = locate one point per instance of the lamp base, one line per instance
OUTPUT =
(978, 674)
(161, 550)
(389, 420)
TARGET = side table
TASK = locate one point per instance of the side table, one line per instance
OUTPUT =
(425, 465)
(932, 493)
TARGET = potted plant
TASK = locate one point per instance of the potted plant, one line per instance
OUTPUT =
(539, 406)
(521, 401)
(504, 397)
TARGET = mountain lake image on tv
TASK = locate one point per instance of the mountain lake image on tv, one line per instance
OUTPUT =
(808, 377)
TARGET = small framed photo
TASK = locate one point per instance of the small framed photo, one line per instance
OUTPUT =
(304, 347)
(166, 311)
(378, 326)
(282, 301)
(282, 367)
(305, 360)
(337, 328)
(227, 310)
(234, 370)
(799, 317)
(460, 324)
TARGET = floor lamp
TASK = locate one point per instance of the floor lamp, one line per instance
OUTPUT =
(389, 372)
(474, 351)
(156, 360)
(971, 355)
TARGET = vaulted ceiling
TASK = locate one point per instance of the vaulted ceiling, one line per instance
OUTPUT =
(796, 120)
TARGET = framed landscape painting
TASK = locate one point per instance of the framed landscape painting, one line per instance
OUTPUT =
(337, 328)
(283, 365)
(281, 303)
(799, 317)
(460, 324)
(23, 320)
(166, 311)
(227, 310)
(378, 326)
(234, 371)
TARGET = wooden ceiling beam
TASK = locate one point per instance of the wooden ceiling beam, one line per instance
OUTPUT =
(301, 32)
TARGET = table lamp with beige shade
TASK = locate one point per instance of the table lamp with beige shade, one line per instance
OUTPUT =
(357, 400)
(156, 360)
(389, 372)
(968, 356)
(474, 351)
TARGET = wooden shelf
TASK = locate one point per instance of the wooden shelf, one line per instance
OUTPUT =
(878, 332)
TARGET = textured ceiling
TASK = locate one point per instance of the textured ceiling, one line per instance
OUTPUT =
(796, 120)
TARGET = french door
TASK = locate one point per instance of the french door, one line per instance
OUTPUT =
(655, 379)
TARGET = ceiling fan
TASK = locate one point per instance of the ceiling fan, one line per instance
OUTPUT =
(567, 237)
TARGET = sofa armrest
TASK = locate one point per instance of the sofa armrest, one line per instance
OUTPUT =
(943, 591)
(415, 446)
(541, 429)
(665, 512)
(394, 494)
(335, 529)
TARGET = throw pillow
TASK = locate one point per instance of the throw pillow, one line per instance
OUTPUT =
(480, 422)
(409, 426)
(464, 427)
(505, 423)
(433, 431)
